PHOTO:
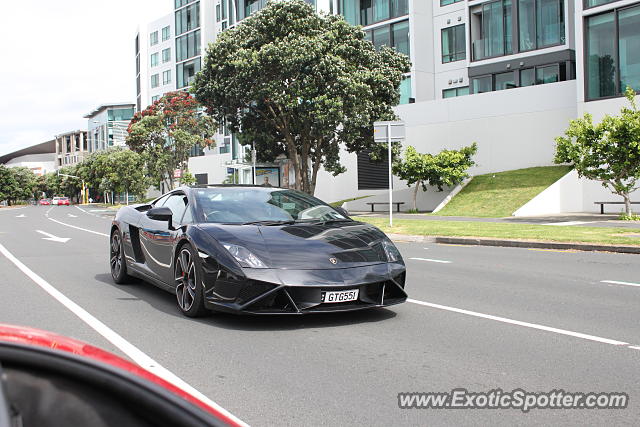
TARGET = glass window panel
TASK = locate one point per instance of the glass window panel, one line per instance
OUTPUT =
(405, 90)
(493, 29)
(508, 35)
(548, 74)
(366, 12)
(592, 3)
(452, 93)
(629, 48)
(481, 84)
(601, 56)
(401, 37)
(154, 59)
(381, 10)
(155, 80)
(527, 77)
(550, 22)
(505, 80)
(166, 77)
(382, 37)
(463, 91)
(350, 11)
(153, 38)
(448, 2)
(453, 44)
(166, 55)
(166, 33)
(527, 24)
(399, 7)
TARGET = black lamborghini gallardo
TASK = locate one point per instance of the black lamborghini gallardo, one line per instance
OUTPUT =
(260, 250)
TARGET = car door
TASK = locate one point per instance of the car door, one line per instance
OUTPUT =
(157, 239)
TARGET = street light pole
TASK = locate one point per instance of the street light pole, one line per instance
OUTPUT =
(84, 188)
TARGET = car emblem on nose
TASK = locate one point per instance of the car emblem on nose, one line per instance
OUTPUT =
(333, 260)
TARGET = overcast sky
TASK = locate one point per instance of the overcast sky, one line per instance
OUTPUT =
(60, 59)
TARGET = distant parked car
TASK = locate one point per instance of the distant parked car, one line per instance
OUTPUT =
(60, 201)
(44, 202)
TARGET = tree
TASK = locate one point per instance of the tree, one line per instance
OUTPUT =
(447, 168)
(166, 132)
(299, 83)
(8, 184)
(187, 178)
(608, 152)
(26, 182)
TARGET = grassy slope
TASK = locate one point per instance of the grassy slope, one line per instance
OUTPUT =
(604, 235)
(502, 193)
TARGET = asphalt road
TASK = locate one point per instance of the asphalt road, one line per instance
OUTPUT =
(479, 318)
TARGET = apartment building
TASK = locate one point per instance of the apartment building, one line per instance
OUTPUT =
(107, 125)
(71, 148)
(506, 74)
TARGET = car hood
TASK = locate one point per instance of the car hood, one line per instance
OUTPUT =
(306, 246)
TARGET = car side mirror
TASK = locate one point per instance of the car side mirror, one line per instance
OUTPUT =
(342, 211)
(160, 214)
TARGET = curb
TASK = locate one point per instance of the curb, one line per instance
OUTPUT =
(587, 247)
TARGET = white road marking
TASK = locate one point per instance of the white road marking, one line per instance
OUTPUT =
(114, 338)
(53, 238)
(568, 223)
(47, 212)
(79, 228)
(91, 213)
(519, 323)
(72, 216)
(11, 209)
(615, 282)
(635, 347)
(21, 216)
(432, 260)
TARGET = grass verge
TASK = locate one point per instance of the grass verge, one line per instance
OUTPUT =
(573, 234)
(502, 193)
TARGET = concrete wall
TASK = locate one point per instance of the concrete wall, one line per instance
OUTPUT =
(573, 194)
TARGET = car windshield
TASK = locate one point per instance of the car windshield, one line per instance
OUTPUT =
(241, 205)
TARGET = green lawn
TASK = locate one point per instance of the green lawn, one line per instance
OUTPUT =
(501, 194)
(601, 235)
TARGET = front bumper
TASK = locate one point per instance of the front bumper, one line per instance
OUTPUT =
(269, 291)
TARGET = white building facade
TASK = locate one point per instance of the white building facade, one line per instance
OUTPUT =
(107, 125)
(506, 74)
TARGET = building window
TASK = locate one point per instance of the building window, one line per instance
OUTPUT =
(505, 80)
(185, 72)
(166, 33)
(456, 91)
(493, 20)
(166, 77)
(153, 38)
(453, 44)
(594, 3)
(180, 3)
(154, 59)
(405, 90)
(481, 84)
(155, 98)
(527, 77)
(155, 80)
(188, 19)
(396, 36)
(188, 46)
(612, 52)
(541, 23)
(367, 12)
(448, 2)
(548, 74)
(120, 114)
(166, 55)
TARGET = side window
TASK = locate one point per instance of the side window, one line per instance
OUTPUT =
(188, 217)
(178, 204)
(161, 201)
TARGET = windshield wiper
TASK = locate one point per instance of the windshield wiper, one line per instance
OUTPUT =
(268, 222)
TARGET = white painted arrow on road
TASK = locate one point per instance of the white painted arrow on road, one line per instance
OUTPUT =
(53, 238)
(72, 216)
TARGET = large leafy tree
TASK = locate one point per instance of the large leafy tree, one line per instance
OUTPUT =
(447, 168)
(608, 152)
(26, 183)
(8, 184)
(165, 133)
(295, 82)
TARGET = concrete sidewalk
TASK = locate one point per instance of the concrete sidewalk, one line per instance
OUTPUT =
(569, 219)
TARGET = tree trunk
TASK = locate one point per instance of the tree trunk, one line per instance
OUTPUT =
(415, 196)
(627, 203)
(314, 174)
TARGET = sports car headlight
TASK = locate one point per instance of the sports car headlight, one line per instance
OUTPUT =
(393, 254)
(244, 256)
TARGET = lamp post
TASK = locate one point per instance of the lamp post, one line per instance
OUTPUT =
(84, 187)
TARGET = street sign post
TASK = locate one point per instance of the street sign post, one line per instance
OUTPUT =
(389, 132)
